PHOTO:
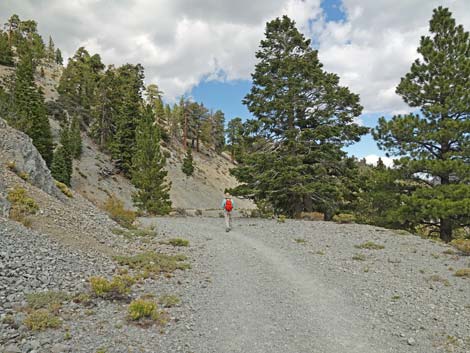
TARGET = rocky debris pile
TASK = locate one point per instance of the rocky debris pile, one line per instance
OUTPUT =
(30, 262)
(18, 149)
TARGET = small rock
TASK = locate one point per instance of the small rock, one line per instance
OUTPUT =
(12, 349)
(411, 341)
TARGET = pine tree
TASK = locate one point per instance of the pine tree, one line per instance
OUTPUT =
(6, 54)
(306, 117)
(234, 137)
(67, 152)
(30, 114)
(51, 50)
(188, 167)
(58, 57)
(60, 166)
(435, 142)
(218, 130)
(148, 169)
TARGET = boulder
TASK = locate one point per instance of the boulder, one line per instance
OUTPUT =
(17, 149)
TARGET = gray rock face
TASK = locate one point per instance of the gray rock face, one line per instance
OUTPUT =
(17, 147)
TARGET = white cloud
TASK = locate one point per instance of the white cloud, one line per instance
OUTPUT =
(183, 42)
(373, 159)
(377, 43)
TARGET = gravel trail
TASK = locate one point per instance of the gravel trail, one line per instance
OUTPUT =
(294, 287)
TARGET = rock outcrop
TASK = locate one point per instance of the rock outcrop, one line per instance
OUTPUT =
(17, 151)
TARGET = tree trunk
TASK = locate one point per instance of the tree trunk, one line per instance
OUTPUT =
(445, 230)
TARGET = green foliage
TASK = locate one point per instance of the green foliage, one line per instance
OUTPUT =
(60, 168)
(169, 301)
(118, 287)
(75, 139)
(305, 119)
(41, 319)
(463, 245)
(370, 245)
(6, 54)
(344, 218)
(142, 308)
(359, 257)
(65, 190)
(153, 262)
(28, 109)
(178, 242)
(434, 142)
(188, 167)
(21, 205)
(148, 170)
(464, 272)
(118, 213)
(45, 300)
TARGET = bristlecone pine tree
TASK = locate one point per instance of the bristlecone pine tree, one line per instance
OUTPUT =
(188, 167)
(435, 143)
(148, 168)
(306, 117)
(60, 166)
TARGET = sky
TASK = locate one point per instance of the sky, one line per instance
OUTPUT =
(205, 49)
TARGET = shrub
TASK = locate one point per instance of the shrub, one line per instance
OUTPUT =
(169, 301)
(134, 233)
(359, 257)
(437, 278)
(118, 213)
(43, 300)
(41, 319)
(147, 310)
(370, 245)
(65, 190)
(344, 218)
(11, 165)
(281, 219)
(463, 245)
(464, 272)
(178, 242)
(82, 298)
(300, 241)
(23, 175)
(153, 262)
(118, 287)
(21, 205)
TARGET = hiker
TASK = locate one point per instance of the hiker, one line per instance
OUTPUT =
(227, 205)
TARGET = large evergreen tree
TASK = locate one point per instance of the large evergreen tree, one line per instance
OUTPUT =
(434, 144)
(306, 117)
(29, 112)
(188, 167)
(148, 168)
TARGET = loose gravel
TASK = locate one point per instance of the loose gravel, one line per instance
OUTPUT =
(264, 287)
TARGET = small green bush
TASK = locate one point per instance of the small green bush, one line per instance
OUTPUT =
(118, 287)
(65, 190)
(178, 242)
(359, 257)
(44, 300)
(168, 301)
(118, 213)
(463, 245)
(300, 241)
(370, 245)
(22, 206)
(464, 272)
(41, 319)
(146, 312)
(281, 219)
(153, 262)
(344, 218)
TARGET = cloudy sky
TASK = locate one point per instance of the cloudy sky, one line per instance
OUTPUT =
(205, 48)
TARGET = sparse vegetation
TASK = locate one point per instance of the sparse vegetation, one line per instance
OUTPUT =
(300, 241)
(463, 245)
(281, 219)
(21, 205)
(118, 213)
(147, 311)
(134, 233)
(65, 190)
(154, 262)
(359, 257)
(44, 300)
(464, 272)
(178, 242)
(437, 278)
(396, 297)
(168, 301)
(117, 287)
(370, 245)
(41, 319)
(449, 252)
(344, 218)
